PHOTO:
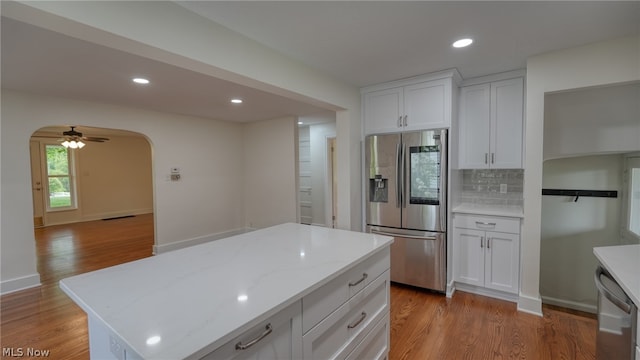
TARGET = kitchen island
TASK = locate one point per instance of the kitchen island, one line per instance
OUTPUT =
(289, 291)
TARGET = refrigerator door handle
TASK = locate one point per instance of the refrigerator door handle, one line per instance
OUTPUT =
(398, 183)
(442, 143)
(433, 238)
(622, 304)
(403, 175)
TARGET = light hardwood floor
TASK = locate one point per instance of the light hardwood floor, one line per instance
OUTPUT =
(424, 325)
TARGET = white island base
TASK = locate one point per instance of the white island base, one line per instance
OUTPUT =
(286, 292)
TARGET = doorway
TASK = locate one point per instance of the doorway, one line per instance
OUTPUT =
(107, 178)
(317, 170)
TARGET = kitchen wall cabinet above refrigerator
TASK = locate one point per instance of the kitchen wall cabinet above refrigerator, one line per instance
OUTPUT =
(491, 125)
(419, 103)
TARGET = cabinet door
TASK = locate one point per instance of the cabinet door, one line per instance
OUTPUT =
(469, 256)
(279, 337)
(506, 124)
(383, 111)
(475, 131)
(428, 105)
(502, 263)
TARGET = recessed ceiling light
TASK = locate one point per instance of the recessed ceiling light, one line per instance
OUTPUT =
(300, 122)
(462, 43)
(142, 81)
(236, 101)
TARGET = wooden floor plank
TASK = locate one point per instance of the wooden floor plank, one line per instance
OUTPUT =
(424, 325)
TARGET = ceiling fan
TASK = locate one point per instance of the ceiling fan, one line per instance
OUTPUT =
(73, 139)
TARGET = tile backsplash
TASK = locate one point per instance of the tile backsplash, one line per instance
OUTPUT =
(483, 187)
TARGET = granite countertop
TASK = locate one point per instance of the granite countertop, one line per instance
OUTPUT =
(623, 263)
(495, 210)
(200, 297)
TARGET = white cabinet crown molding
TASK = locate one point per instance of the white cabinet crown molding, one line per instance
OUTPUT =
(444, 74)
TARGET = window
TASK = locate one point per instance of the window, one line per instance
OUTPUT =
(633, 206)
(59, 178)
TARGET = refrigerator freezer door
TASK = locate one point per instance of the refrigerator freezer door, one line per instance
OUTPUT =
(424, 174)
(417, 258)
(382, 153)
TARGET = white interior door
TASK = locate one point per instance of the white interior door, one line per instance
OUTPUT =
(36, 184)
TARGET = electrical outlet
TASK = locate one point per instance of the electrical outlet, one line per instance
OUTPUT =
(503, 188)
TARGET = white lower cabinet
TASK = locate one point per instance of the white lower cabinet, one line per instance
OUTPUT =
(486, 253)
(339, 333)
(349, 315)
(278, 337)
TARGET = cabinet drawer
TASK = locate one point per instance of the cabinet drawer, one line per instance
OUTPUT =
(320, 303)
(274, 338)
(375, 345)
(489, 223)
(339, 333)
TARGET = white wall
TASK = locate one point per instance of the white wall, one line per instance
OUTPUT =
(610, 62)
(141, 28)
(591, 121)
(203, 204)
(270, 189)
(571, 229)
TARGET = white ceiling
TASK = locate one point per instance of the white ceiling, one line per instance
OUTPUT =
(360, 42)
(364, 42)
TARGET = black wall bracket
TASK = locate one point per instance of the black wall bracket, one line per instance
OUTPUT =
(579, 193)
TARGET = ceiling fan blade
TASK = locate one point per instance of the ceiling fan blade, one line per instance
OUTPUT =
(95, 139)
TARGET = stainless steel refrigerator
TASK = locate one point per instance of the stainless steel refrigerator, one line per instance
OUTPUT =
(406, 190)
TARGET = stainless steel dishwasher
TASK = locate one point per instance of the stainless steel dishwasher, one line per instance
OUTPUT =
(617, 320)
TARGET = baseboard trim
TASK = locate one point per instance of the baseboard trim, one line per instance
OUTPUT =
(19, 283)
(103, 216)
(593, 309)
(180, 244)
(486, 292)
(451, 289)
(530, 305)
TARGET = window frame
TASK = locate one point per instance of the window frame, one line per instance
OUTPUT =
(71, 175)
(631, 236)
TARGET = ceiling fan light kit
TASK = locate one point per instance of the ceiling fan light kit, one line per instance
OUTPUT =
(73, 144)
(73, 139)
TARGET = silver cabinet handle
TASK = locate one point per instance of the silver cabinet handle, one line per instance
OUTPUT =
(405, 121)
(482, 223)
(486, 158)
(362, 317)
(488, 242)
(364, 276)
(400, 121)
(268, 329)
(481, 241)
(493, 158)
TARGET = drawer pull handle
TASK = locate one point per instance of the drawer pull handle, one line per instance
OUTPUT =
(362, 317)
(240, 346)
(364, 276)
(482, 223)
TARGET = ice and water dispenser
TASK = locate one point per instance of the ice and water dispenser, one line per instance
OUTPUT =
(378, 190)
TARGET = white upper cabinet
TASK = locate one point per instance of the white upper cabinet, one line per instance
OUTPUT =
(383, 110)
(414, 104)
(491, 125)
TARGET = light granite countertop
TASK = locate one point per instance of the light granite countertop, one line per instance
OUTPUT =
(200, 297)
(495, 210)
